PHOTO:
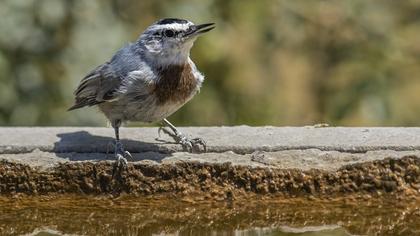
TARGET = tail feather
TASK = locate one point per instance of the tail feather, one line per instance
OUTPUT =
(75, 106)
(84, 102)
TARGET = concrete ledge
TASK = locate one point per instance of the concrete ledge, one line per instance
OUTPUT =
(238, 139)
(240, 160)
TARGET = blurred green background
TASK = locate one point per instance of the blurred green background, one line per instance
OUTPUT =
(353, 63)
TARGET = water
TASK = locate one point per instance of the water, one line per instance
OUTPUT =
(281, 231)
(75, 215)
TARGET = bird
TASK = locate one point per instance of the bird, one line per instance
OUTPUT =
(147, 81)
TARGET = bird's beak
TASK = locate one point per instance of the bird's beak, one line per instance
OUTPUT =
(196, 30)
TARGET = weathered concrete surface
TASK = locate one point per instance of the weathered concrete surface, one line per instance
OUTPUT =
(240, 160)
(239, 139)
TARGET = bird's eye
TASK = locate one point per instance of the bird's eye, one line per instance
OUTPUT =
(169, 33)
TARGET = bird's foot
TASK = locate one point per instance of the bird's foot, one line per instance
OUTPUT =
(121, 157)
(121, 161)
(191, 145)
(118, 150)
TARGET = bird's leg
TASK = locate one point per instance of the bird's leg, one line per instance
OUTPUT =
(188, 144)
(120, 153)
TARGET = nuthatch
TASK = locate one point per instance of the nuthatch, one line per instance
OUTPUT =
(147, 80)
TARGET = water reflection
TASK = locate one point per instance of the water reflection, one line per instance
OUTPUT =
(73, 215)
(281, 231)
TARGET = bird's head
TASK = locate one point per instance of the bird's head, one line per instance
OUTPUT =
(169, 41)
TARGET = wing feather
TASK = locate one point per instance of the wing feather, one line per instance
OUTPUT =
(100, 85)
(124, 75)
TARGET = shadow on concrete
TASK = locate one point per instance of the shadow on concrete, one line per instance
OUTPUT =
(83, 146)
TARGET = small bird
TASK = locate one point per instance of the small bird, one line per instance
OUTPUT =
(147, 81)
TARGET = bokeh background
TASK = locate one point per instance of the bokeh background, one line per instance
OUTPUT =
(353, 63)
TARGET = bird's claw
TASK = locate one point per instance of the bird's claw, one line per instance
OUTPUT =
(121, 161)
(119, 150)
(120, 164)
(121, 157)
(193, 144)
(128, 155)
(190, 145)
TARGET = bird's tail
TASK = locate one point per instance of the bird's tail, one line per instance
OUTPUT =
(75, 106)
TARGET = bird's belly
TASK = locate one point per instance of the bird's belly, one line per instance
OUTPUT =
(159, 112)
(150, 110)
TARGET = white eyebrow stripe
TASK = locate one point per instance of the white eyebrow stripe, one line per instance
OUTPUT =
(174, 26)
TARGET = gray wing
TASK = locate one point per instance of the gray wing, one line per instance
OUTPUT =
(99, 86)
(125, 73)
